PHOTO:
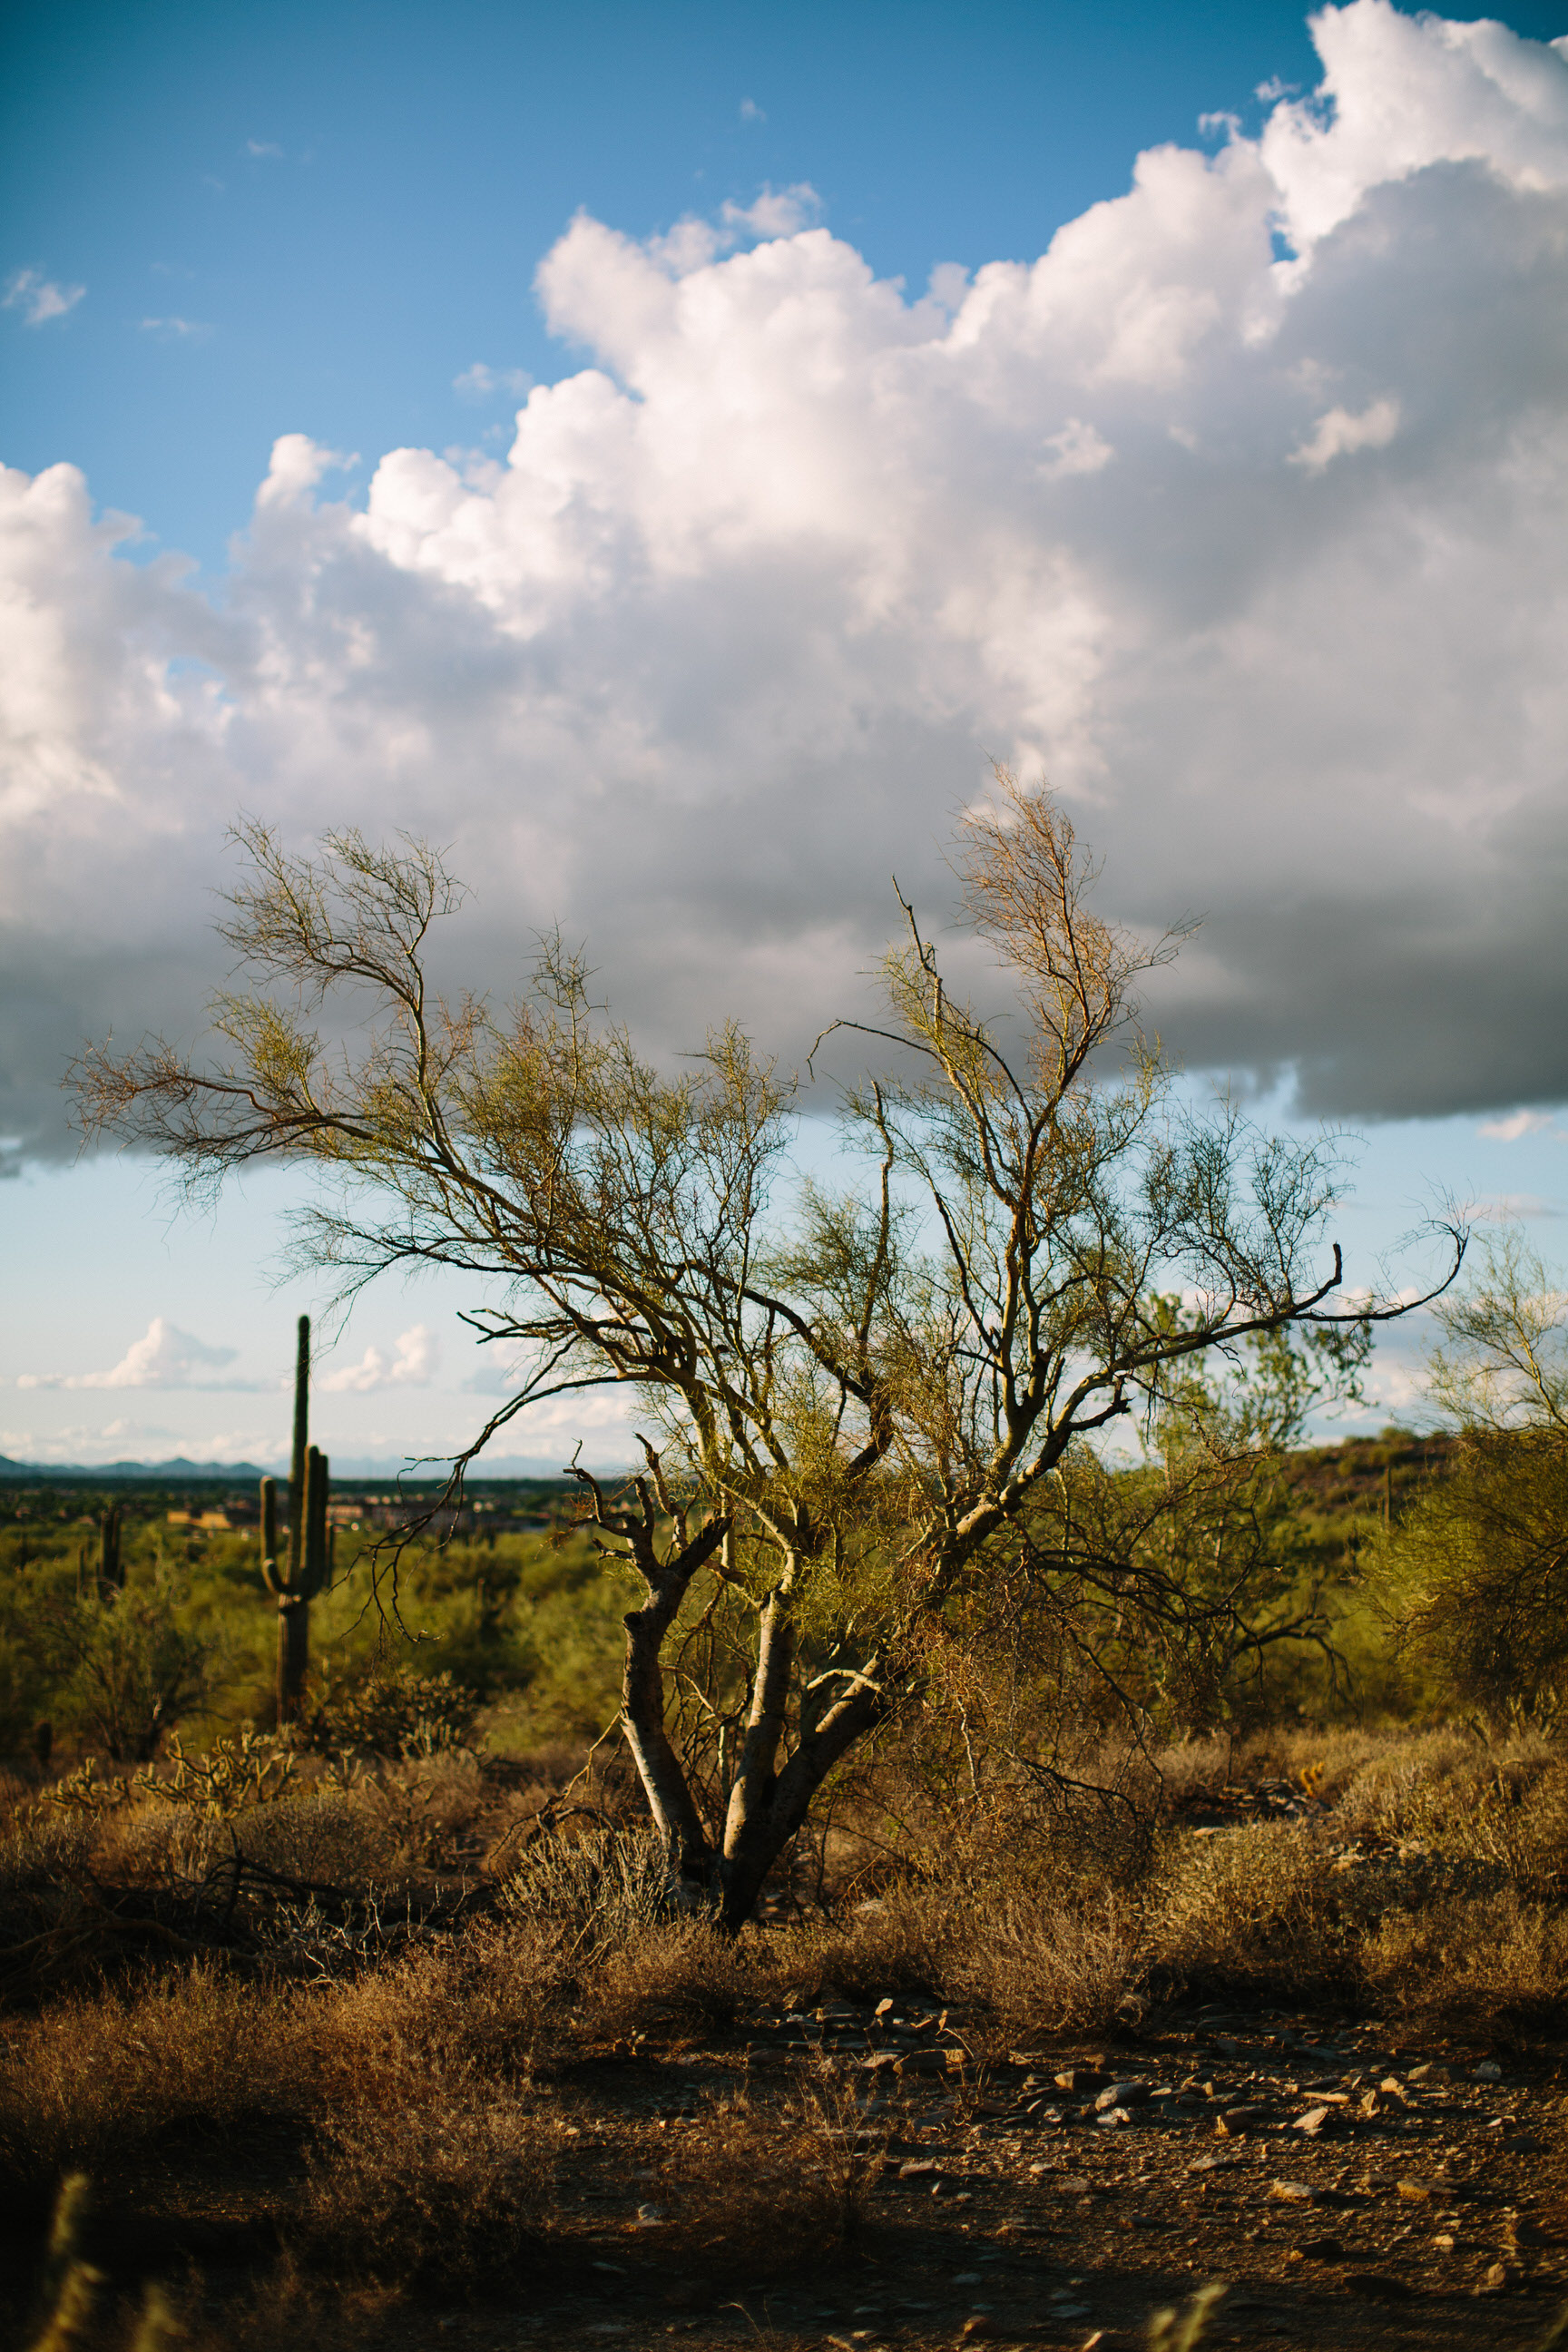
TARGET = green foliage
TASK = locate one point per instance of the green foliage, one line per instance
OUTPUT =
(129, 1667)
(391, 1710)
(1475, 1576)
(530, 1624)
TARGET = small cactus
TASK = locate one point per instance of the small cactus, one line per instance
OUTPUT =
(297, 1583)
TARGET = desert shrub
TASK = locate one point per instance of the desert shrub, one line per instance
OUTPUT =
(390, 1710)
(1494, 1964)
(1041, 1967)
(605, 1883)
(130, 1667)
(1253, 1909)
(328, 1836)
(1476, 1580)
(489, 2000)
(672, 1980)
(448, 2187)
(94, 2082)
(748, 2189)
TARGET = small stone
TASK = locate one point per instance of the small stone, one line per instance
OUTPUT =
(1378, 2286)
(1311, 2124)
(1122, 2094)
(1414, 2192)
(1488, 2071)
(919, 2168)
(650, 2217)
(1323, 2250)
(1498, 2279)
(1292, 2192)
(976, 2327)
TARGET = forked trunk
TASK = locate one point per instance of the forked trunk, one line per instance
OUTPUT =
(767, 1807)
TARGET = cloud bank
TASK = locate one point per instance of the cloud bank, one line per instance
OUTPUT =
(1240, 512)
(164, 1357)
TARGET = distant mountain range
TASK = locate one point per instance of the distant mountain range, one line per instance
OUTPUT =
(182, 1472)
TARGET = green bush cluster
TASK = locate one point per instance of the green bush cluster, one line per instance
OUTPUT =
(515, 1638)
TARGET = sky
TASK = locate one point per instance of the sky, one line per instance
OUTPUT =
(665, 455)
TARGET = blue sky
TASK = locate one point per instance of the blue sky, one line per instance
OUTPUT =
(1241, 516)
(347, 206)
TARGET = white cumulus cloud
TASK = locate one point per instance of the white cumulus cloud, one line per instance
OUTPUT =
(412, 1364)
(164, 1357)
(1257, 557)
(1338, 434)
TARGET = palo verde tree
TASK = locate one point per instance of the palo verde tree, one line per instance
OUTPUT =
(855, 1402)
(1475, 1573)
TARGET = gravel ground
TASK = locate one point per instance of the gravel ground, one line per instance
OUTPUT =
(1348, 2189)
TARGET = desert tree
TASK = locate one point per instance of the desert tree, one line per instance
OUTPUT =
(856, 1399)
(1475, 1572)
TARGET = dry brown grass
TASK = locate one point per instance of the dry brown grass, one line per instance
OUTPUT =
(1041, 1969)
(749, 2188)
(1255, 1911)
(1494, 1964)
(419, 2101)
(95, 2082)
(438, 2181)
(91, 2082)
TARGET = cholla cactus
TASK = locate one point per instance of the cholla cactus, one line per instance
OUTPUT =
(297, 1583)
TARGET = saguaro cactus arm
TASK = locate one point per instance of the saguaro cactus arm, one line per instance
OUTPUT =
(271, 1576)
(298, 1458)
(314, 1575)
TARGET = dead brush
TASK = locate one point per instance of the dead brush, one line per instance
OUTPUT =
(93, 2083)
(442, 2182)
(1494, 1964)
(902, 1943)
(673, 1981)
(1256, 1909)
(755, 2189)
(1075, 1965)
(495, 1998)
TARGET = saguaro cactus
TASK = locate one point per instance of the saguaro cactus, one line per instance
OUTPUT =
(298, 1582)
(110, 1567)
